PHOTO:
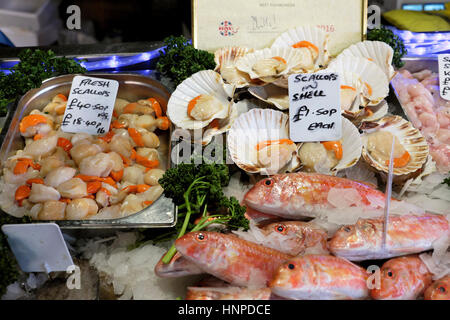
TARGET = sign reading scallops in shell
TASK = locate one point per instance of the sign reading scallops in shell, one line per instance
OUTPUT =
(314, 107)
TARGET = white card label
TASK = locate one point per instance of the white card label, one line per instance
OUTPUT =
(38, 247)
(314, 107)
(90, 105)
(444, 75)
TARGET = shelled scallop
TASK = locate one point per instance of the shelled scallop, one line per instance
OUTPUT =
(272, 94)
(270, 64)
(410, 147)
(258, 142)
(311, 40)
(375, 51)
(375, 82)
(225, 59)
(201, 102)
(331, 156)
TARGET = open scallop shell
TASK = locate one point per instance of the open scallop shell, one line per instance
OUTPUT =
(312, 34)
(410, 138)
(292, 57)
(376, 51)
(376, 84)
(351, 79)
(225, 59)
(351, 148)
(206, 82)
(272, 94)
(253, 128)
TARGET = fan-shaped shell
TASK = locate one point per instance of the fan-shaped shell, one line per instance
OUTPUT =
(246, 63)
(225, 59)
(351, 147)
(379, 52)
(375, 81)
(272, 94)
(254, 128)
(206, 82)
(409, 137)
(312, 34)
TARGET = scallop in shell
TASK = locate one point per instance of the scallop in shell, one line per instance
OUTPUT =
(309, 37)
(199, 100)
(269, 64)
(376, 84)
(410, 149)
(379, 52)
(332, 156)
(258, 142)
(351, 93)
(272, 94)
(225, 59)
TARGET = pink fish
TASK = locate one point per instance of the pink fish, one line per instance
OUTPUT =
(406, 234)
(299, 195)
(439, 290)
(177, 267)
(403, 278)
(231, 259)
(320, 277)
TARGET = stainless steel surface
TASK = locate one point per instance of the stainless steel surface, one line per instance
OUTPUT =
(161, 213)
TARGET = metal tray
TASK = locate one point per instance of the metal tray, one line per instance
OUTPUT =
(162, 213)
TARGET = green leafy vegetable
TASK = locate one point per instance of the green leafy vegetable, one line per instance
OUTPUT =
(197, 189)
(386, 35)
(34, 67)
(446, 181)
(9, 272)
(179, 60)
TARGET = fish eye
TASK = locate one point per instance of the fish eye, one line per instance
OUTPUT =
(201, 237)
(280, 228)
(347, 229)
(390, 274)
(268, 182)
(442, 289)
(291, 266)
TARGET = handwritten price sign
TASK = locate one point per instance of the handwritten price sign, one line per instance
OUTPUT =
(444, 75)
(314, 107)
(90, 105)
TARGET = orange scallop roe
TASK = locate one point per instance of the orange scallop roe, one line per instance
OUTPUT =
(279, 59)
(31, 120)
(264, 144)
(156, 107)
(192, 104)
(335, 146)
(305, 44)
(343, 87)
(402, 161)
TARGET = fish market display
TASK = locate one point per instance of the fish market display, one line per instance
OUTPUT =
(320, 277)
(420, 97)
(404, 278)
(298, 195)
(231, 259)
(406, 234)
(439, 290)
(65, 176)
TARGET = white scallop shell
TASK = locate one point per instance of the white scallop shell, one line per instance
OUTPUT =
(379, 52)
(368, 113)
(225, 59)
(352, 79)
(351, 147)
(369, 72)
(272, 94)
(290, 55)
(251, 128)
(410, 138)
(311, 34)
(205, 82)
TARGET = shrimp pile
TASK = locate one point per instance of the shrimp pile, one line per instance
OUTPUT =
(427, 111)
(66, 176)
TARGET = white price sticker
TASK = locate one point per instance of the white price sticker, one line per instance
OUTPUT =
(90, 105)
(314, 107)
(444, 75)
